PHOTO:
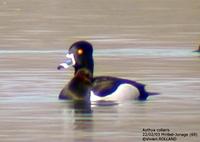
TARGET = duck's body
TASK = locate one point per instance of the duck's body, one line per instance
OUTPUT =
(102, 88)
(198, 50)
(122, 93)
(113, 88)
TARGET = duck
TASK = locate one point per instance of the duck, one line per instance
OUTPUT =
(85, 86)
(198, 50)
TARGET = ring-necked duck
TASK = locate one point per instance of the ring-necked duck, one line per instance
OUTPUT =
(198, 50)
(83, 85)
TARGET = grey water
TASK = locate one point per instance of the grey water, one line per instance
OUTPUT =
(151, 42)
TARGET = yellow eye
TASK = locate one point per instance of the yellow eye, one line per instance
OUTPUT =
(80, 51)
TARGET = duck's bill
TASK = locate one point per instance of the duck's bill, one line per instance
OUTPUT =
(70, 61)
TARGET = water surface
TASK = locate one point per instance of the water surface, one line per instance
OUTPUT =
(147, 41)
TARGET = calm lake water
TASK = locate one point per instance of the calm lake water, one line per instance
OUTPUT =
(147, 41)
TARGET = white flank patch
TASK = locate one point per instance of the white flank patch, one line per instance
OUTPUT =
(123, 93)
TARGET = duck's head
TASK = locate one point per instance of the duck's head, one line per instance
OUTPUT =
(79, 56)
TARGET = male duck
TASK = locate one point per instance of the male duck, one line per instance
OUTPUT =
(84, 86)
(198, 50)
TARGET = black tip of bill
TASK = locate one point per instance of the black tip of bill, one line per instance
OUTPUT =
(60, 67)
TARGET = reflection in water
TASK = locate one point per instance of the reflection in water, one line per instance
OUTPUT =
(105, 103)
(82, 107)
(83, 120)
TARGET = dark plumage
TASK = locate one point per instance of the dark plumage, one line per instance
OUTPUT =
(80, 56)
(198, 50)
(79, 87)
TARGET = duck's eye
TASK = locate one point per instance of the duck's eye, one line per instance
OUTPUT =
(80, 51)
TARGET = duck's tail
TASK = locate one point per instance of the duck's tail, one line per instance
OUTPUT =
(144, 94)
(153, 93)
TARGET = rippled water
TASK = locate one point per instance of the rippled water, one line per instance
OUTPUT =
(125, 52)
(148, 41)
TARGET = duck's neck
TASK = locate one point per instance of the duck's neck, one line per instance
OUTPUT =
(86, 65)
